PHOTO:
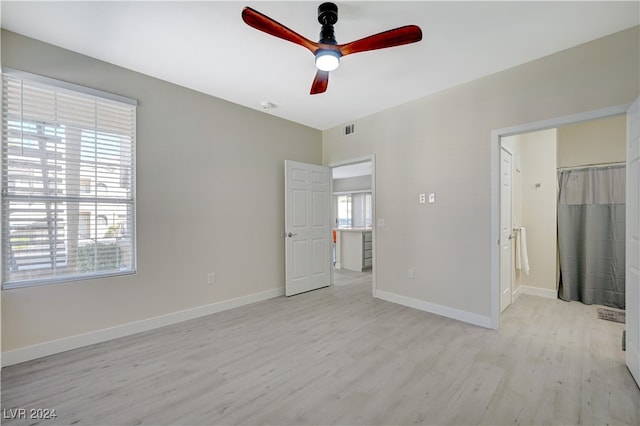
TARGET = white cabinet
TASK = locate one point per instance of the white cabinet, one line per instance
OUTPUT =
(355, 249)
(367, 249)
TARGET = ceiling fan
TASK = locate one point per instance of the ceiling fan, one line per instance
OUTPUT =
(327, 51)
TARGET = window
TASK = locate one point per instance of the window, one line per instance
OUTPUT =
(354, 210)
(343, 218)
(57, 140)
(84, 225)
(85, 185)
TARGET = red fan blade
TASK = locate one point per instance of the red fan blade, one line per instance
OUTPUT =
(396, 37)
(320, 83)
(261, 22)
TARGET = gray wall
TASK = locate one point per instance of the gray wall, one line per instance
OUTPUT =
(210, 195)
(442, 144)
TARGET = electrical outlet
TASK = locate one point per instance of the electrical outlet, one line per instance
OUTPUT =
(411, 273)
(211, 278)
(423, 198)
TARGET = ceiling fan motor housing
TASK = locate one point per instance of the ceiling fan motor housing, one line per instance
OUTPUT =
(327, 17)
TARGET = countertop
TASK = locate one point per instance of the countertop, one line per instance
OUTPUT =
(357, 229)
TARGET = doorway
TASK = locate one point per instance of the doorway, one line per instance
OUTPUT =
(498, 137)
(528, 231)
(353, 194)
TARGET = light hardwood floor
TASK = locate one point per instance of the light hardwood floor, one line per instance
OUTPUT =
(337, 356)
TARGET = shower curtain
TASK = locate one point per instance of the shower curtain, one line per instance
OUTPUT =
(591, 234)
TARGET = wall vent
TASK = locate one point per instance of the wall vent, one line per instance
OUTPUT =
(349, 129)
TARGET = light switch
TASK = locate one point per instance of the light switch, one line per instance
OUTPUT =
(432, 197)
(380, 223)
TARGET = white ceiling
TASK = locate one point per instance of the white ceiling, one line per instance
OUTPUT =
(207, 47)
(351, 170)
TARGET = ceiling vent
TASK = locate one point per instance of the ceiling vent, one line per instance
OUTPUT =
(349, 129)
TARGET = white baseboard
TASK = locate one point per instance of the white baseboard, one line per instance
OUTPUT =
(632, 358)
(445, 311)
(516, 293)
(40, 350)
(536, 291)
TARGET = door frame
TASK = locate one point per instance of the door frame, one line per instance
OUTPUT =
(496, 136)
(363, 159)
(632, 286)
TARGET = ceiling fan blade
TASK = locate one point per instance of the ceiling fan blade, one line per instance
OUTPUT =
(320, 83)
(396, 37)
(261, 22)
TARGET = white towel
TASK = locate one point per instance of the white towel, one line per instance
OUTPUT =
(522, 258)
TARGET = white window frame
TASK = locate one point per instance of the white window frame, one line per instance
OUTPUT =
(63, 197)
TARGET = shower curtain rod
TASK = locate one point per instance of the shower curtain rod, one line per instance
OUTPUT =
(586, 166)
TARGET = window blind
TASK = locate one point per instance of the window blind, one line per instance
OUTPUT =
(68, 183)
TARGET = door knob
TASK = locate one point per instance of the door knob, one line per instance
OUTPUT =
(290, 235)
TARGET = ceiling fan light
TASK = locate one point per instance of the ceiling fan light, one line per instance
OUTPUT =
(327, 60)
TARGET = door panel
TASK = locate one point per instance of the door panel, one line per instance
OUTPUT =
(319, 209)
(299, 207)
(319, 267)
(506, 230)
(299, 259)
(632, 272)
(307, 227)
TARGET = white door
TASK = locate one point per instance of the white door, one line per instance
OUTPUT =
(632, 273)
(307, 227)
(506, 230)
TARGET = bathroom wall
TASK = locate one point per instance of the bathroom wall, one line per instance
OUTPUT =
(593, 142)
(539, 211)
